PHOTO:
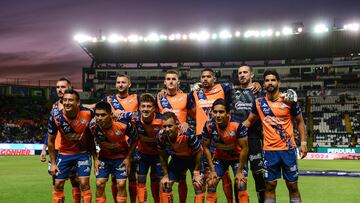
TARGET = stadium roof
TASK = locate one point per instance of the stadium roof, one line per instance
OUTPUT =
(337, 43)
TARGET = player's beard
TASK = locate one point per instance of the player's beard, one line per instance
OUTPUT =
(272, 88)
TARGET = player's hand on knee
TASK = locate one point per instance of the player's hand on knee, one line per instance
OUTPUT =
(240, 179)
(127, 164)
(212, 179)
(197, 180)
(97, 164)
(165, 182)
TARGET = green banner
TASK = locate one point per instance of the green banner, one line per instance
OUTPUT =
(337, 150)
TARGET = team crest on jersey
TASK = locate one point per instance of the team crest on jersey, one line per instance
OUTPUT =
(180, 99)
(215, 90)
(282, 106)
(118, 132)
(232, 133)
(130, 100)
(83, 121)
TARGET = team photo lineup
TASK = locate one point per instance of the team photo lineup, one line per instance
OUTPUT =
(243, 128)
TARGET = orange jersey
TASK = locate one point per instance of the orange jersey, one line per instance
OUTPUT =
(185, 146)
(72, 131)
(119, 105)
(113, 142)
(276, 120)
(203, 100)
(178, 104)
(226, 140)
(147, 134)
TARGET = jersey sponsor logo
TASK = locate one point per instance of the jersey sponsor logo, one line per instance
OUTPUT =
(205, 103)
(242, 105)
(266, 110)
(87, 170)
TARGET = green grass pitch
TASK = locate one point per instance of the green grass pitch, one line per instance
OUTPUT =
(25, 179)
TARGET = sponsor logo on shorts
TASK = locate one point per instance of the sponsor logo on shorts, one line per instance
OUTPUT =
(83, 163)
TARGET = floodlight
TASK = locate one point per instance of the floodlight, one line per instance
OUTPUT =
(214, 36)
(352, 27)
(82, 38)
(225, 34)
(103, 38)
(113, 38)
(300, 29)
(163, 37)
(277, 33)
(178, 36)
(193, 36)
(321, 28)
(94, 39)
(237, 34)
(133, 38)
(184, 37)
(287, 31)
(172, 37)
(153, 37)
(203, 35)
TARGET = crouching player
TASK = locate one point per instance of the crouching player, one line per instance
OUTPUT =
(115, 153)
(186, 154)
(148, 125)
(231, 149)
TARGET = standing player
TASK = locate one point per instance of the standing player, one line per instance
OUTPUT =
(61, 85)
(114, 155)
(231, 149)
(148, 125)
(177, 102)
(240, 103)
(123, 102)
(279, 143)
(201, 103)
(186, 154)
(71, 122)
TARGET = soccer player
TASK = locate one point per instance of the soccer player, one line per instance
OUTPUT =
(123, 102)
(186, 154)
(61, 85)
(279, 143)
(240, 102)
(148, 125)
(231, 149)
(177, 102)
(71, 122)
(115, 153)
(201, 101)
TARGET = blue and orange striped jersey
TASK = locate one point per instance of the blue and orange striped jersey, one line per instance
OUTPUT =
(113, 142)
(147, 134)
(72, 131)
(226, 140)
(178, 104)
(203, 100)
(119, 105)
(276, 120)
(185, 146)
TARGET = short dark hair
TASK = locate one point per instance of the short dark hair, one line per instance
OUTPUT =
(147, 97)
(222, 102)
(168, 115)
(65, 79)
(72, 91)
(271, 72)
(208, 69)
(103, 105)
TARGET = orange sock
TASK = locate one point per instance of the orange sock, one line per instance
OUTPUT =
(114, 191)
(167, 197)
(58, 196)
(132, 191)
(141, 192)
(227, 187)
(155, 191)
(101, 200)
(120, 199)
(86, 196)
(199, 198)
(243, 196)
(211, 197)
(182, 190)
(76, 194)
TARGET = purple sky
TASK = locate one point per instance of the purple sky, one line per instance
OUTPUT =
(36, 35)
